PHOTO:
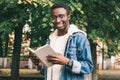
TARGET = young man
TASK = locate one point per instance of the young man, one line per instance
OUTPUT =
(73, 58)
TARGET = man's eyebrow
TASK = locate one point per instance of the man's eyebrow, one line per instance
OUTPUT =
(58, 15)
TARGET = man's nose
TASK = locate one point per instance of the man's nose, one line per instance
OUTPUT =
(58, 19)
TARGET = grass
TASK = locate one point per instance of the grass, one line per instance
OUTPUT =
(21, 71)
(25, 74)
(102, 74)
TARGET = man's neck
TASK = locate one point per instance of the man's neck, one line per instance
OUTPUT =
(60, 33)
(63, 31)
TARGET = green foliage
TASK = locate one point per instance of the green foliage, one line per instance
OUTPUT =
(41, 25)
(100, 19)
(75, 5)
(93, 36)
(5, 27)
(103, 18)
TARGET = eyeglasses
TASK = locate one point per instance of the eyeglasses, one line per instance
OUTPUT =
(61, 17)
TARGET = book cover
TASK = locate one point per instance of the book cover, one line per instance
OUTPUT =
(42, 52)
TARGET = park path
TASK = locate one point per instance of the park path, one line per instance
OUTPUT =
(109, 74)
(32, 73)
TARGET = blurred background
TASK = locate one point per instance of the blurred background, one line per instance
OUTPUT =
(27, 23)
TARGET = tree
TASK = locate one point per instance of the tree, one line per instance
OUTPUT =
(103, 19)
(13, 17)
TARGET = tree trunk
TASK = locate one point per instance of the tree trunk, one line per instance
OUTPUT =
(1, 49)
(6, 46)
(16, 54)
(93, 48)
(94, 57)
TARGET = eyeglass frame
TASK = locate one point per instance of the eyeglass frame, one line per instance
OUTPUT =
(61, 17)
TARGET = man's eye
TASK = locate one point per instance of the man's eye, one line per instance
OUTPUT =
(61, 16)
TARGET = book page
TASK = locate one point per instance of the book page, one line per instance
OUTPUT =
(42, 52)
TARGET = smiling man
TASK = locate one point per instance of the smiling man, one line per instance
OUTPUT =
(73, 59)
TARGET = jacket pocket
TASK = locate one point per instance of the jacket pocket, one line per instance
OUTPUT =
(72, 52)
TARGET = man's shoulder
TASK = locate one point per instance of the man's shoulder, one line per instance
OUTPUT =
(81, 34)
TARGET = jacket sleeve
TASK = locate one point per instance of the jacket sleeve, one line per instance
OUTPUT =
(84, 63)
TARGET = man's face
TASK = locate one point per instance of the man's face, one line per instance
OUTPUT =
(60, 18)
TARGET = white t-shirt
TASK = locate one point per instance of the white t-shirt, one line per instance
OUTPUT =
(58, 44)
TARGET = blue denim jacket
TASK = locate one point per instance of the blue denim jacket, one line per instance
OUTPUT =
(78, 50)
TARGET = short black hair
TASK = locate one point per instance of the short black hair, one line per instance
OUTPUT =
(61, 5)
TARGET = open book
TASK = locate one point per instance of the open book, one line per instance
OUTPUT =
(42, 52)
